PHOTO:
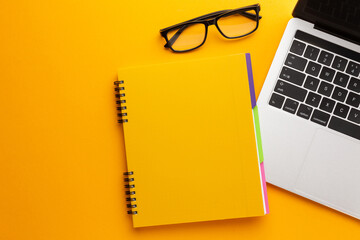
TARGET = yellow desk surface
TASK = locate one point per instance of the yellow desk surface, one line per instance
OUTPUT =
(61, 150)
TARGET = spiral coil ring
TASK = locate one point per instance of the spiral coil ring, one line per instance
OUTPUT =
(119, 95)
(132, 212)
(131, 192)
(128, 179)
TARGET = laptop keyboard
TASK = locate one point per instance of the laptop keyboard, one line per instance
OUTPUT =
(319, 82)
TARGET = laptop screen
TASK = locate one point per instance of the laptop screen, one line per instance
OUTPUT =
(340, 17)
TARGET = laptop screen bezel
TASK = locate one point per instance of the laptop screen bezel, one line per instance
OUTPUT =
(326, 23)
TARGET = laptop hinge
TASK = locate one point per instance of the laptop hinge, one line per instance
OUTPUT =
(334, 32)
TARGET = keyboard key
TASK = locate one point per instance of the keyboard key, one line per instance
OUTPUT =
(345, 127)
(296, 62)
(293, 76)
(325, 58)
(327, 74)
(353, 99)
(311, 52)
(290, 106)
(297, 47)
(325, 88)
(313, 68)
(341, 110)
(354, 85)
(341, 79)
(327, 105)
(320, 117)
(339, 94)
(354, 116)
(290, 90)
(311, 83)
(339, 63)
(328, 46)
(353, 69)
(313, 99)
(304, 111)
(276, 100)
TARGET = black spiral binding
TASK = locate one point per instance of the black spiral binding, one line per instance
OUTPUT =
(129, 180)
(120, 101)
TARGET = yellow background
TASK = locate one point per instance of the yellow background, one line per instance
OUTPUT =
(61, 151)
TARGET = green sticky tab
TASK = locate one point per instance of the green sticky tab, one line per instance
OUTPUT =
(258, 135)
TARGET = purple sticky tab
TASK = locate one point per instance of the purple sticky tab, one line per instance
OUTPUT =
(251, 80)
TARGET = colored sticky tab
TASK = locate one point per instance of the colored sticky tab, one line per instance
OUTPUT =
(251, 80)
(257, 129)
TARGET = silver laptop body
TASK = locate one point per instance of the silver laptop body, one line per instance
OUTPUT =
(310, 115)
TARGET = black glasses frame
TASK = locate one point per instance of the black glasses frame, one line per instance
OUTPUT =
(208, 20)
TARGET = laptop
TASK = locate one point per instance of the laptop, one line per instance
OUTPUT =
(309, 106)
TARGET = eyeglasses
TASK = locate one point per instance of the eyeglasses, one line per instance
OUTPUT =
(191, 34)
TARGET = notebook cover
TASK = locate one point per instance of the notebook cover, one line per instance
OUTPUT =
(192, 141)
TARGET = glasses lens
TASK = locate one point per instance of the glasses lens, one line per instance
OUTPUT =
(238, 24)
(187, 36)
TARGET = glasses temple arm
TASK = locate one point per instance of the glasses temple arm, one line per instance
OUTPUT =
(251, 16)
(175, 36)
(209, 15)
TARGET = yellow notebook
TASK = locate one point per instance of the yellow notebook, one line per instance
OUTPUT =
(192, 141)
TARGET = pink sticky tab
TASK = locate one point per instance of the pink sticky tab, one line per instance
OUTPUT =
(264, 187)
